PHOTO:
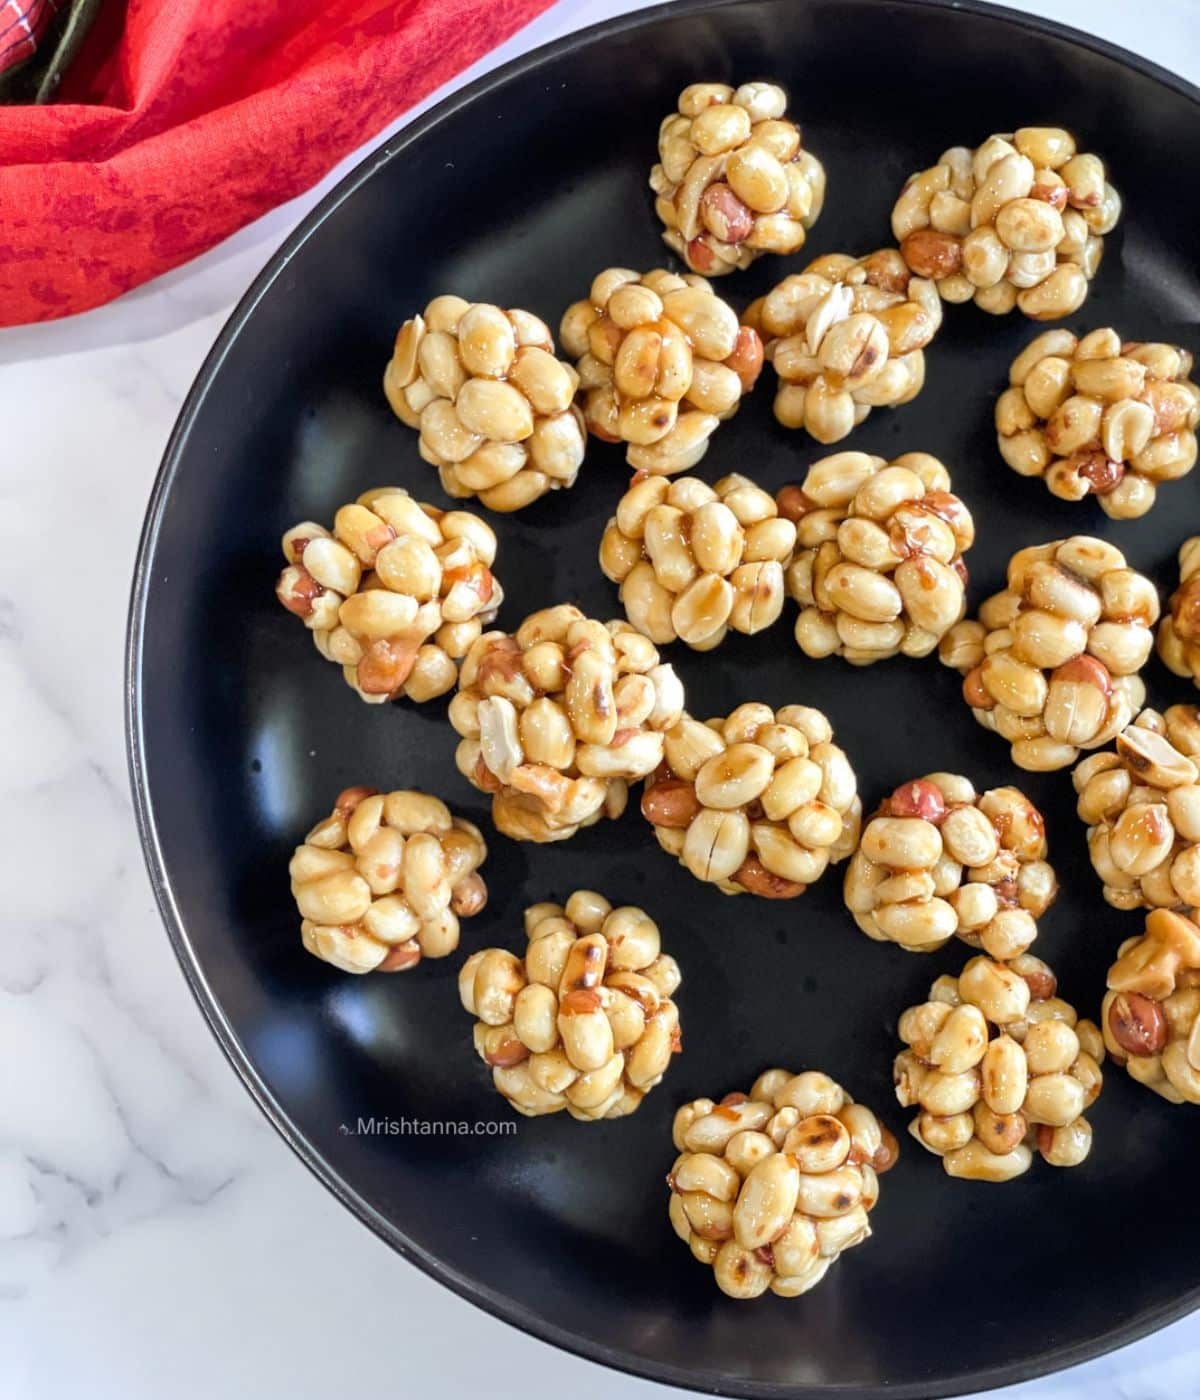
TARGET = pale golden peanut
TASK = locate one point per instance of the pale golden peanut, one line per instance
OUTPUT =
(428, 589)
(998, 1065)
(771, 1187)
(759, 802)
(1016, 222)
(587, 1018)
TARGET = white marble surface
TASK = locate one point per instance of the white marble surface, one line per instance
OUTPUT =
(156, 1237)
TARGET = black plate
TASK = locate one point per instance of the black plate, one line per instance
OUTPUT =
(517, 190)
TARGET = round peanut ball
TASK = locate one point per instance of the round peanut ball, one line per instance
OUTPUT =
(395, 594)
(1100, 417)
(846, 335)
(384, 880)
(878, 569)
(939, 859)
(999, 1065)
(585, 1020)
(1052, 663)
(1179, 631)
(661, 360)
(694, 561)
(732, 180)
(1141, 804)
(770, 1187)
(1018, 221)
(760, 802)
(495, 408)
(559, 718)
(1151, 1012)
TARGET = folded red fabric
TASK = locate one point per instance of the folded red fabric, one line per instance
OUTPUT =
(207, 114)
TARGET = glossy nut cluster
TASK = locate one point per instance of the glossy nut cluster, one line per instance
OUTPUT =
(1142, 809)
(878, 568)
(585, 1020)
(1019, 221)
(396, 594)
(1151, 1013)
(1098, 416)
(1179, 631)
(695, 560)
(732, 180)
(999, 1065)
(662, 360)
(769, 1188)
(760, 802)
(557, 719)
(939, 859)
(1051, 665)
(495, 408)
(383, 881)
(846, 335)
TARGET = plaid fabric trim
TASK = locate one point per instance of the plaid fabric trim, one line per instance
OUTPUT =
(22, 24)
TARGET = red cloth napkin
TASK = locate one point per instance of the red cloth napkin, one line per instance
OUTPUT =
(198, 117)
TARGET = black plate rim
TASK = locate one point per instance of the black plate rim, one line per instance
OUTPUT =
(492, 1302)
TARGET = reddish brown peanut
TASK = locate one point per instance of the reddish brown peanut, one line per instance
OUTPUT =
(1137, 1023)
(1151, 1013)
